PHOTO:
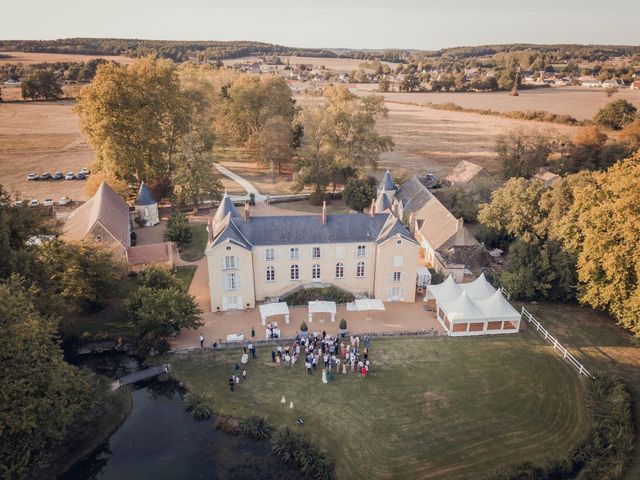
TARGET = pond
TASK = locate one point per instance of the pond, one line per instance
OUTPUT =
(160, 440)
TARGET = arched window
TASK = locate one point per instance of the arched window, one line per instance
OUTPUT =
(271, 274)
(295, 272)
(360, 269)
(315, 272)
(339, 270)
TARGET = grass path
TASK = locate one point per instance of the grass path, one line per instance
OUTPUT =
(432, 408)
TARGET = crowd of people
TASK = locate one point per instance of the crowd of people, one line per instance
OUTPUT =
(332, 355)
(327, 353)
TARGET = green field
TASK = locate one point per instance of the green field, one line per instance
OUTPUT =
(431, 408)
(595, 339)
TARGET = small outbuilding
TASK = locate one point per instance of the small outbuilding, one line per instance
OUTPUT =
(146, 207)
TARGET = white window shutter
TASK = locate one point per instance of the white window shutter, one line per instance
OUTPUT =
(240, 304)
(402, 279)
(225, 304)
(389, 294)
(355, 251)
(237, 262)
(402, 294)
(276, 254)
(222, 260)
(264, 254)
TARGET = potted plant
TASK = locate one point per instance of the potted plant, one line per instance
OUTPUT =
(342, 329)
(304, 330)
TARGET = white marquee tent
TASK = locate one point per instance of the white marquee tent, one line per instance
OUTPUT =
(272, 309)
(322, 307)
(474, 308)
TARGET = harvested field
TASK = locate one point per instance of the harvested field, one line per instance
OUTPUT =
(579, 102)
(38, 137)
(428, 140)
(31, 58)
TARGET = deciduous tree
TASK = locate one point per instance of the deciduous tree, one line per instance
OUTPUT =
(616, 114)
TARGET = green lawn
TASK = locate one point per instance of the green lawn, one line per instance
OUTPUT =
(432, 408)
(185, 274)
(195, 250)
(595, 339)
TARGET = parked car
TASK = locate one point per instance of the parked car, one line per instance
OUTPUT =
(34, 203)
(69, 176)
(81, 176)
(48, 202)
(45, 176)
(19, 203)
(85, 170)
(64, 201)
(58, 176)
(32, 176)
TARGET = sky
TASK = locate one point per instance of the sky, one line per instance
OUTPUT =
(374, 24)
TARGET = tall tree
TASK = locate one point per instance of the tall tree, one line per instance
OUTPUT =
(249, 102)
(274, 144)
(134, 117)
(195, 180)
(40, 394)
(523, 152)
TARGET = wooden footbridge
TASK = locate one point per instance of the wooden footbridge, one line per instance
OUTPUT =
(140, 375)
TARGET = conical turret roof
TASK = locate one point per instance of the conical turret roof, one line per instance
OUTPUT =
(144, 196)
(387, 182)
(226, 207)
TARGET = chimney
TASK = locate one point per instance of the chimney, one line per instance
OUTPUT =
(460, 232)
(412, 223)
(247, 213)
(324, 213)
(372, 210)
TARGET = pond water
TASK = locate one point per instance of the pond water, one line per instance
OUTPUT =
(160, 440)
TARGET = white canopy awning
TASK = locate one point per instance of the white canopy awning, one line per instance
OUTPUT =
(271, 309)
(462, 309)
(444, 292)
(366, 304)
(478, 289)
(322, 307)
(423, 277)
(497, 307)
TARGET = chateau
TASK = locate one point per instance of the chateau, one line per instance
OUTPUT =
(262, 258)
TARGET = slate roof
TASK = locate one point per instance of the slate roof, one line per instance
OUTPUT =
(105, 207)
(383, 203)
(439, 226)
(226, 207)
(144, 196)
(465, 172)
(308, 229)
(387, 182)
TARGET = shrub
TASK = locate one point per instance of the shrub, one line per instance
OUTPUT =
(255, 427)
(616, 114)
(304, 327)
(178, 230)
(293, 449)
(228, 425)
(196, 404)
(252, 199)
(316, 198)
(358, 194)
(330, 294)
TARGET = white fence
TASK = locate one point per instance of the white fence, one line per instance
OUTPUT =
(556, 344)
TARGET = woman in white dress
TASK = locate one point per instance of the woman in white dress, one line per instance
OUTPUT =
(324, 375)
